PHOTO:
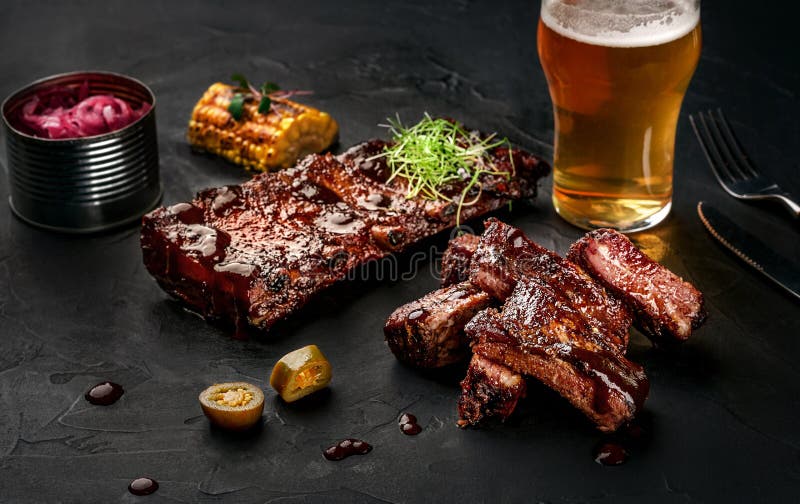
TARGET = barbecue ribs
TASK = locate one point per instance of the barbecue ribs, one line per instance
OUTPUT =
(489, 389)
(505, 255)
(457, 258)
(252, 254)
(666, 308)
(539, 334)
(429, 332)
(559, 323)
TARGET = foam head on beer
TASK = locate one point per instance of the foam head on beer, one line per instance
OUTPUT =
(622, 23)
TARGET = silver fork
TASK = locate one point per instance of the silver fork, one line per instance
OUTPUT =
(731, 166)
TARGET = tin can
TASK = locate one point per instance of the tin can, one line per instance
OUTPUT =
(84, 185)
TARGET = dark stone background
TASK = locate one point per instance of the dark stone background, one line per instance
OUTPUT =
(722, 413)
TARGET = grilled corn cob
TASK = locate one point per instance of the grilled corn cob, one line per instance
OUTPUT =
(257, 141)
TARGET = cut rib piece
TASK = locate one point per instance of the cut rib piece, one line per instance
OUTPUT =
(505, 255)
(428, 332)
(539, 334)
(457, 258)
(253, 254)
(489, 390)
(666, 308)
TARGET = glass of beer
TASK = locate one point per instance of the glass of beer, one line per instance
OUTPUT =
(617, 72)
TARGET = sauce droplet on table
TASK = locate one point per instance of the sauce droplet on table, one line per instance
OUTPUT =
(610, 454)
(104, 393)
(345, 448)
(409, 425)
(143, 486)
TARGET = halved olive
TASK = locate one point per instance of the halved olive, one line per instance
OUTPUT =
(300, 373)
(235, 406)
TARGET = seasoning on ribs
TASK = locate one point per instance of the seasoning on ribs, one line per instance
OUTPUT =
(666, 308)
(457, 258)
(253, 254)
(505, 255)
(489, 389)
(539, 333)
(560, 325)
(429, 332)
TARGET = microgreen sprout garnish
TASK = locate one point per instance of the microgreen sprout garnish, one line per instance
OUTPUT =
(265, 94)
(436, 154)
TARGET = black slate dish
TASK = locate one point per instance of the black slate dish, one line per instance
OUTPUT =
(720, 424)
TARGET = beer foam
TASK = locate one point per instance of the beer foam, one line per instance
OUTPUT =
(622, 23)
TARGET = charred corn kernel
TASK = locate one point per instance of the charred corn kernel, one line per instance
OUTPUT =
(300, 373)
(256, 141)
(235, 406)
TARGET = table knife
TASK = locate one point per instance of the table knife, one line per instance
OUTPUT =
(750, 249)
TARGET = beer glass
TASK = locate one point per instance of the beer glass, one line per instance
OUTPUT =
(617, 71)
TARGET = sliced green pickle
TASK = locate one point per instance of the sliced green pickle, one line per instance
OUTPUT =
(234, 406)
(301, 372)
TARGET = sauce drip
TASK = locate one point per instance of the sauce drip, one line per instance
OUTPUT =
(143, 486)
(226, 197)
(374, 201)
(362, 156)
(607, 375)
(345, 448)
(187, 213)
(615, 449)
(318, 194)
(338, 222)
(610, 454)
(460, 293)
(409, 425)
(104, 393)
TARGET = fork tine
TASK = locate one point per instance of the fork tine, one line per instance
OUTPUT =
(733, 142)
(710, 150)
(730, 161)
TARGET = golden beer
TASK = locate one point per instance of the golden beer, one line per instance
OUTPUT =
(617, 73)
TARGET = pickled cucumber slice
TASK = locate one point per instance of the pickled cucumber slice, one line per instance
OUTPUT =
(301, 372)
(234, 406)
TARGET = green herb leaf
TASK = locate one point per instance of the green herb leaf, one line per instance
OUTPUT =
(436, 155)
(241, 80)
(263, 106)
(269, 87)
(236, 106)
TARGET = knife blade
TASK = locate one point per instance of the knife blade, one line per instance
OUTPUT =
(750, 249)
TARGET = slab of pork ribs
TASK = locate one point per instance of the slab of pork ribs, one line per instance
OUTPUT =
(551, 321)
(252, 254)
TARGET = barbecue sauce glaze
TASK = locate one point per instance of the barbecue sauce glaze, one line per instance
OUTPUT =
(408, 425)
(104, 393)
(345, 448)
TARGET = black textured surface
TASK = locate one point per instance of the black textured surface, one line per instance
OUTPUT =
(723, 410)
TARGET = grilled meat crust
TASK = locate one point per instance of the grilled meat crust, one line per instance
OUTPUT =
(539, 334)
(429, 332)
(563, 321)
(666, 308)
(253, 254)
(457, 259)
(488, 390)
(505, 255)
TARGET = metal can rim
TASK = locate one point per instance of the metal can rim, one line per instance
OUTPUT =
(66, 141)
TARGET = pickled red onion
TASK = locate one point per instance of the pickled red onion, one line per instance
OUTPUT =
(62, 113)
